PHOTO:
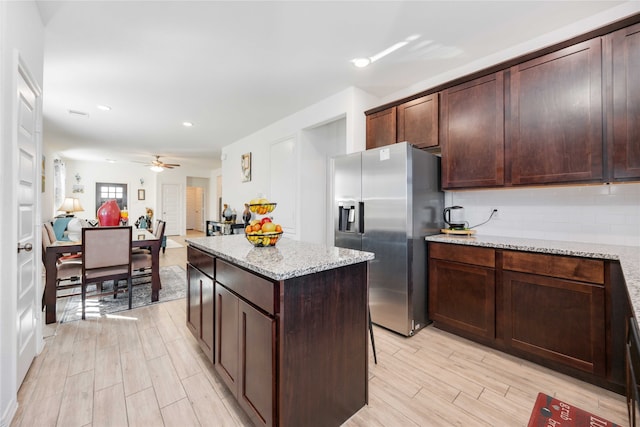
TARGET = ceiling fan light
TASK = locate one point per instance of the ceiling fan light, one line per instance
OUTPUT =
(156, 168)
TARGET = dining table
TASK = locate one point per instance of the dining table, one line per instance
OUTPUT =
(139, 237)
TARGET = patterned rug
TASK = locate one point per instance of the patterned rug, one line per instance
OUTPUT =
(174, 286)
(549, 411)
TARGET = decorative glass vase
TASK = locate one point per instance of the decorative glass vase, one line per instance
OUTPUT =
(109, 213)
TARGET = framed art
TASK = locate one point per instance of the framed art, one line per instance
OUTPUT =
(245, 163)
(141, 194)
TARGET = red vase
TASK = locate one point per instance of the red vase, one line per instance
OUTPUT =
(109, 213)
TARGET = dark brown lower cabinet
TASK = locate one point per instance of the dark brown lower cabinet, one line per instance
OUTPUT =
(556, 320)
(200, 303)
(245, 355)
(632, 365)
(462, 298)
(293, 352)
(566, 313)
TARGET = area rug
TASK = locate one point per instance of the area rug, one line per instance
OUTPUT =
(174, 286)
(172, 244)
(549, 411)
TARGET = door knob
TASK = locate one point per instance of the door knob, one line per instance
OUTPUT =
(26, 247)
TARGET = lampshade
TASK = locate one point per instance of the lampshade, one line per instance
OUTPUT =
(71, 205)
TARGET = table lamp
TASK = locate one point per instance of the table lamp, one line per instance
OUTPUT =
(71, 205)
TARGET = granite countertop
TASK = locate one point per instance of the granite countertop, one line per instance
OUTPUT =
(288, 259)
(629, 256)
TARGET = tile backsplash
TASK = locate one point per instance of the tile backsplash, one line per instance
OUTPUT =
(607, 214)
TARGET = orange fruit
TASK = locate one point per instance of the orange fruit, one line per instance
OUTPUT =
(256, 227)
(249, 229)
(278, 228)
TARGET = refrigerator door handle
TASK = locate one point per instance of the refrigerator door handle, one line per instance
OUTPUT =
(361, 217)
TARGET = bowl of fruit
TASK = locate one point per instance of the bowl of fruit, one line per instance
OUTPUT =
(263, 232)
(261, 206)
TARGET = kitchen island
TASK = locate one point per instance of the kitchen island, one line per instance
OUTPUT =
(284, 326)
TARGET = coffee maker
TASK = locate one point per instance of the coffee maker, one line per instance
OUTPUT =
(454, 217)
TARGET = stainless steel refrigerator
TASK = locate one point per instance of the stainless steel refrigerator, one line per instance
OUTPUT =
(386, 200)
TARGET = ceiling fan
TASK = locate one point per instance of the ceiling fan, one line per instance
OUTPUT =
(158, 165)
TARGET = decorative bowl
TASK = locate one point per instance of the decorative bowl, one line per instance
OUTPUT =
(261, 240)
(262, 208)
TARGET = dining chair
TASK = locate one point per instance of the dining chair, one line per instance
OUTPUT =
(106, 255)
(68, 271)
(141, 262)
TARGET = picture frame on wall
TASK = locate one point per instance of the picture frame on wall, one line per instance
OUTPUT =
(245, 163)
(141, 194)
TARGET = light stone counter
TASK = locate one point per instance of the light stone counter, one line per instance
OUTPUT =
(629, 256)
(289, 258)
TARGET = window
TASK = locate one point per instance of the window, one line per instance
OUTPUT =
(107, 191)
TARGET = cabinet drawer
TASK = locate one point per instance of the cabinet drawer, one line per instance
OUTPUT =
(564, 267)
(201, 260)
(256, 290)
(484, 257)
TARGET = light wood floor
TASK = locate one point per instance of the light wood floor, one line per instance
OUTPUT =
(143, 368)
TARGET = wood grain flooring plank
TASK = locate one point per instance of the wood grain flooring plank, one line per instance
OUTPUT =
(152, 343)
(76, 408)
(108, 367)
(42, 413)
(135, 373)
(109, 408)
(180, 414)
(83, 357)
(143, 410)
(165, 381)
(182, 358)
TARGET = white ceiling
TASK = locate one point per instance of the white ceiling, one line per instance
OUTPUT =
(234, 67)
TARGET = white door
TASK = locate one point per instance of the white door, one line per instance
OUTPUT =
(171, 208)
(28, 134)
(191, 208)
(200, 210)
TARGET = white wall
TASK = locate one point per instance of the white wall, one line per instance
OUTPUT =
(21, 33)
(606, 214)
(347, 106)
(130, 174)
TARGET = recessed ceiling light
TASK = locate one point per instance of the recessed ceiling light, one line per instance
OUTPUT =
(361, 62)
(187, 124)
(110, 160)
(103, 107)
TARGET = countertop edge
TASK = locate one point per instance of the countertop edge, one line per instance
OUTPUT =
(294, 269)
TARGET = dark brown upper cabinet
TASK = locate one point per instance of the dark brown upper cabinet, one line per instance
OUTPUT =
(624, 120)
(418, 121)
(472, 133)
(381, 128)
(554, 132)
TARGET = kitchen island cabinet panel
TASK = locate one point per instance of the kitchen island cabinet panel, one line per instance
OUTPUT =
(554, 133)
(472, 133)
(227, 352)
(625, 118)
(258, 365)
(323, 343)
(200, 304)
